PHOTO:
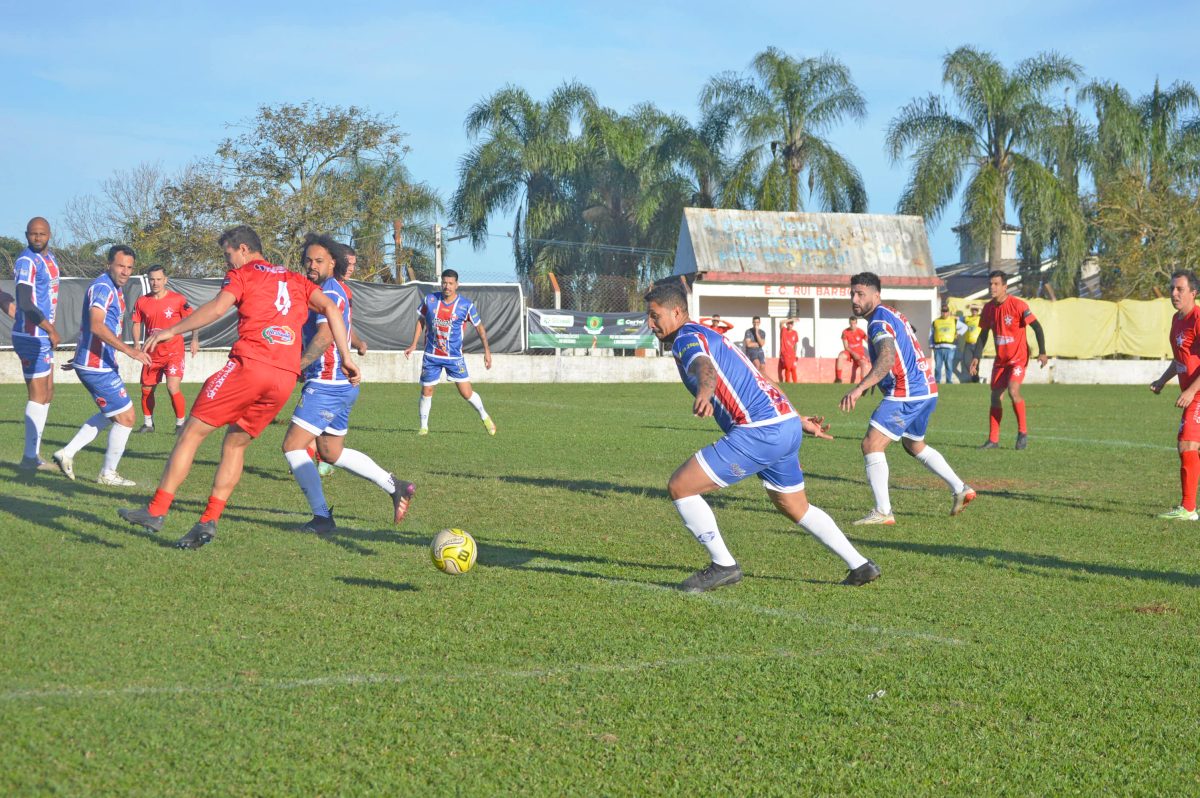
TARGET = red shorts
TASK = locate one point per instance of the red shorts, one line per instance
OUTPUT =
(247, 393)
(161, 368)
(1007, 374)
(1189, 424)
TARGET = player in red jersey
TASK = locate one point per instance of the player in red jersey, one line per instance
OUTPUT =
(1185, 346)
(853, 354)
(152, 312)
(1007, 317)
(246, 394)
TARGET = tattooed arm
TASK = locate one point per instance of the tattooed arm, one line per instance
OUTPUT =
(885, 358)
(706, 375)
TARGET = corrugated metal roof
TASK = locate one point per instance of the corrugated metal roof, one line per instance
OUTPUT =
(816, 245)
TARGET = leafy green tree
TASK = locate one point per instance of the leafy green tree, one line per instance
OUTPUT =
(523, 160)
(384, 192)
(783, 112)
(988, 143)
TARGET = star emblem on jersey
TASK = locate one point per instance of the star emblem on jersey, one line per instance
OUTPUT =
(1007, 319)
(1018, 371)
(172, 370)
(1179, 340)
(168, 313)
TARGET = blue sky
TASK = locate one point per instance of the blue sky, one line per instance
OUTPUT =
(90, 88)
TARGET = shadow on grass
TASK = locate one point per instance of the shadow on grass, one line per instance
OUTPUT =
(1008, 559)
(382, 584)
(55, 517)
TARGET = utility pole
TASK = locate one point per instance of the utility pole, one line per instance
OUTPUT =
(437, 252)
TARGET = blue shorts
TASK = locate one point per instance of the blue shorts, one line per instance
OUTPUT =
(903, 419)
(107, 389)
(771, 451)
(431, 370)
(36, 355)
(324, 409)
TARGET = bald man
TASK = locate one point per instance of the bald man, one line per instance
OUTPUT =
(35, 278)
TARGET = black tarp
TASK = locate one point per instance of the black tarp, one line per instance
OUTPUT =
(384, 315)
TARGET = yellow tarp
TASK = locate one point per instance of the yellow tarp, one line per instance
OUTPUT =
(1090, 328)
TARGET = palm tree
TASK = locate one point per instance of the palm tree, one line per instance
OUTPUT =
(782, 114)
(1149, 136)
(1001, 115)
(527, 151)
(697, 152)
(385, 191)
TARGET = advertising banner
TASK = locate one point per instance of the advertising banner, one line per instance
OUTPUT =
(570, 329)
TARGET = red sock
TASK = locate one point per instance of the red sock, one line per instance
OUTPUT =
(214, 509)
(147, 402)
(994, 430)
(1019, 409)
(1189, 471)
(161, 502)
(180, 405)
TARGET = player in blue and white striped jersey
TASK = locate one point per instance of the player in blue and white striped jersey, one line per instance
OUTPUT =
(909, 399)
(763, 433)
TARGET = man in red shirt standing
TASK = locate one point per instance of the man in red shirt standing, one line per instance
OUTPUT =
(853, 354)
(244, 396)
(1007, 317)
(152, 312)
(1185, 345)
(788, 338)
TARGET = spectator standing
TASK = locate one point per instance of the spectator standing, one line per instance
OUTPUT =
(753, 343)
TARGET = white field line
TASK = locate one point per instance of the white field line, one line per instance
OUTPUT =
(360, 679)
(795, 615)
(1035, 436)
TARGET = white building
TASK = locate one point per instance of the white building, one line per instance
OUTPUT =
(742, 264)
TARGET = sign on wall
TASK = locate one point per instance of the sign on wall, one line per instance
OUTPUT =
(568, 329)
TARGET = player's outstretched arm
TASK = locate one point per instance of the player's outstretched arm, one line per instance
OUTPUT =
(980, 343)
(1162, 381)
(30, 309)
(487, 350)
(706, 377)
(416, 338)
(1041, 342)
(101, 331)
(317, 346)
(885, 359)
(816, 426)
(319, 301)
(203, 316)
(137, 334)
(359, 344)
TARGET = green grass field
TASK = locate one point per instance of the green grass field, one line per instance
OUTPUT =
(1043, 643)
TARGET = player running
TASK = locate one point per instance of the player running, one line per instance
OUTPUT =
(95, 363)
(1007, 317)
(1185, 346)
(152, 312)
(854, 353)
(909, 399)
(762, 436)
(443, 316)
(323, 412)
(246, 394)
(34, 337)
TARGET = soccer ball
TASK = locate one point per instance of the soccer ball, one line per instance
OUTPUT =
(453, 551)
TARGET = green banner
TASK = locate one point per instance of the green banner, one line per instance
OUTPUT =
(568, 329)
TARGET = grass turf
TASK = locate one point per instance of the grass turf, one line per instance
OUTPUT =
(1042, 643)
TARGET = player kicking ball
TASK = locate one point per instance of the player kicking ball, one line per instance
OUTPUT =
(95, 363)
(762, 436)
(323, 412)
(909, 399)
(249, 391)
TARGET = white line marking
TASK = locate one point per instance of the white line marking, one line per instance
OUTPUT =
(358, 679)
(1035, 436)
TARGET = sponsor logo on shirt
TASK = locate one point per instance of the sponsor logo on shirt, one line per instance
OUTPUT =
(1001, 340)
(276, 334)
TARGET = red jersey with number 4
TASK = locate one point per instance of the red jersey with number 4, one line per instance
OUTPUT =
(159, 314)
(855, 340)
(272, 305)
(1185, 345)
(1007, 320)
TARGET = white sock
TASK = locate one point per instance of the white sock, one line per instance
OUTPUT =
(309, 480)
(35, 422)
(360, 464)
(877, 478)
(118, 436)
(932, 459)
(699, 519)
(477, 403)
(818, 524)
(423, 409)
(148, 421)
(87, 433)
